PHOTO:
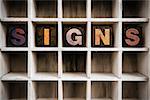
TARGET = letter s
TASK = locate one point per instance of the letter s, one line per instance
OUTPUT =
(18, 38)
(133, 39)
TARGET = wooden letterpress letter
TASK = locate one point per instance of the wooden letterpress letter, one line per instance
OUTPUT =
(133, 36)
(46, 36)
(16, 36)
(74, 35)
(102, 35)
(77, 38)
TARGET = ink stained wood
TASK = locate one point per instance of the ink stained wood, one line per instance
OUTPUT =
(140, 35)
(39, 35)
(16, 35)
(102, 28)
(67, 27)
(74, 62)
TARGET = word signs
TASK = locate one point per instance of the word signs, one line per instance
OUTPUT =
(74, 35)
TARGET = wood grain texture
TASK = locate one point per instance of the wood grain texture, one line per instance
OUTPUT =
(101, 62)
(47, 62)
(17, 62)
(16, 90)
(74, 89)
(74, 8)
(74, 62)
(101, 8)
(129, 7)
(46, 90)
(130, 90)
(130, 63)
(46, 8)
(16, 8)
(101, 90)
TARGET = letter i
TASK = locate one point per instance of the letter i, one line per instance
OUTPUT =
(46, 36)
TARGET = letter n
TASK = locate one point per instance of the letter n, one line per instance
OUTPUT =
(102, 38)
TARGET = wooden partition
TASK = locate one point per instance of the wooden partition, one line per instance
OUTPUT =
(60, 71)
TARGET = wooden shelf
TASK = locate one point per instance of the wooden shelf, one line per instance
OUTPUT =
(104, 77)
(130, 99)
(135, 49)
(44, 49)
(74, 20)
(14, 49)
(69, 72)
(18, 99)
(133, 77)
(74, 77)
(15, 76)
(113, 20)
(73, 99)
(47, 99)
(15, 19)
(44, 19)
(134, 19)
(105, 49)
(44, 77)
(102, 99)
(105, 20)
(74, 49)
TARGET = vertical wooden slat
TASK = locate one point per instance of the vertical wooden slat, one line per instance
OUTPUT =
(88, 65)
(119, 91)
(59, 9)
(88, 90)
(60, 90)
(60, 67)
(88, 9)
